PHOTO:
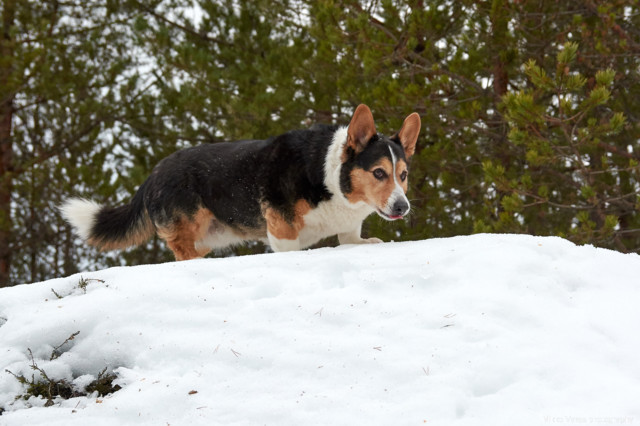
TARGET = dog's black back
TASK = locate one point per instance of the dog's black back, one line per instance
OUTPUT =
(231, 178)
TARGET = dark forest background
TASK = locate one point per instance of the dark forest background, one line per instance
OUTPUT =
(530, 109)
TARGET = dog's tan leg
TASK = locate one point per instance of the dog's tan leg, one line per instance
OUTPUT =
(282, 234)
(181, 236)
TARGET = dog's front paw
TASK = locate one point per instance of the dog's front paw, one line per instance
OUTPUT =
(372, 240)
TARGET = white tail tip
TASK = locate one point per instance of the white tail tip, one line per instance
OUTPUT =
(81, 214)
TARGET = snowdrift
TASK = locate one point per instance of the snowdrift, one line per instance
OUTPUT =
(479, 330)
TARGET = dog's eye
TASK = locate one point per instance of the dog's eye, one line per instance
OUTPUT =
(379, 174)
(403, 176)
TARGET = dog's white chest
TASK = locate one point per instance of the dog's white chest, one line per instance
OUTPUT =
(330, 218)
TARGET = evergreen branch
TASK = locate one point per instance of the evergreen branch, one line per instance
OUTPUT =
(622, 197)
(56, 149)
(542, 200)
(615, 170)
(441, 70)
(151, 11)
(615, 150)
(628, 231)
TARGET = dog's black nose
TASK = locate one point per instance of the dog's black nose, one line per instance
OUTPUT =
(400, 208)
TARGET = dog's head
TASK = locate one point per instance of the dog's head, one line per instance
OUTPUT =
(375, 167)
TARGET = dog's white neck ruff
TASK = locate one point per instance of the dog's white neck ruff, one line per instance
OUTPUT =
(333, 166)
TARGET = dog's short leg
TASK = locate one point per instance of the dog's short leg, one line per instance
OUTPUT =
(181, 236)
(283, 244)
(284, 234)
(354, 237)
(184, 249)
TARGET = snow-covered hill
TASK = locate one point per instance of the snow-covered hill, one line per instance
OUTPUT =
(480, 330)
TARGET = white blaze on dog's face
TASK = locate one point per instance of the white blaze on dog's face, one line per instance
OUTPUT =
(375, 169)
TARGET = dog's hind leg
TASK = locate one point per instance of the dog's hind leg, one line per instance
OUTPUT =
(182, 235)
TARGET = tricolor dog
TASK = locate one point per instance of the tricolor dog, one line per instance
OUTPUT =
(288, 191)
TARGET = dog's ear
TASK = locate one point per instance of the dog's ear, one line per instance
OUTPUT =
(408, 134)
(361, 129)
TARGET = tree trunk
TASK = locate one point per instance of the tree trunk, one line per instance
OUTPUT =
(498, 41)
(6, 143)
(499, 31)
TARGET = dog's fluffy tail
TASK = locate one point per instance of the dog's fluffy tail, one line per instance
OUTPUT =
(109, 228)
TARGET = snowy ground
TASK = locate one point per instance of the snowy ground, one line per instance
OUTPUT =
(480, 330)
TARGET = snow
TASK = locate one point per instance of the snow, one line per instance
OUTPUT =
(477, 330)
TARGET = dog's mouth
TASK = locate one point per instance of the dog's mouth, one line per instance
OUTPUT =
(387, 216)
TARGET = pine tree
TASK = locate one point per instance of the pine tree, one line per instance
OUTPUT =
(572, 168)
(66, 70)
